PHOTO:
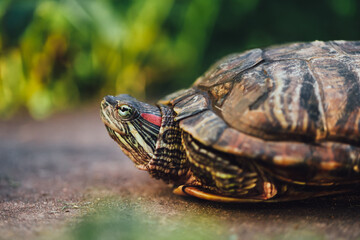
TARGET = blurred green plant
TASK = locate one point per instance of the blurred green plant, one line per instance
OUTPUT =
(55, 54)
(129, 220)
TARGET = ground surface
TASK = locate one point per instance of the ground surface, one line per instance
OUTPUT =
(65, 178)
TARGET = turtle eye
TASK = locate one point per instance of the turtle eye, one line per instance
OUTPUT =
(125, 111)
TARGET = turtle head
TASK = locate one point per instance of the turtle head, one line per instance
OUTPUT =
(134, 125)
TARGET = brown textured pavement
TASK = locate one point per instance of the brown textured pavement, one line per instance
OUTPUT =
(52, 171)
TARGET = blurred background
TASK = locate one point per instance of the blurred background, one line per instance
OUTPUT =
(60, 54)
(65, 175)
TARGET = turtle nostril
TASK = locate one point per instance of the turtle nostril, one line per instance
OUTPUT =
(110, 99)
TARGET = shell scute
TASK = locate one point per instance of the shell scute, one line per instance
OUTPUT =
(227, 68)
(277, 100)
(205, 126)
(340, 83)
(191, 105)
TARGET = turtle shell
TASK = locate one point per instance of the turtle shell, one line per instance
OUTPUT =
(293, 108)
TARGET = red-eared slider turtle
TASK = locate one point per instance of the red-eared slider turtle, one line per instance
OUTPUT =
(274, 124)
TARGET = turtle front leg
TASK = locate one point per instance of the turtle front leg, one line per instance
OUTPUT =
(222, 177)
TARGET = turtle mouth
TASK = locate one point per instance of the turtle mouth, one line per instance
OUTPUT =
(105, 109)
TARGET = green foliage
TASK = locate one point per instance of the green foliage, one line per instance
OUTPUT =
(58, 53)
(128, 220)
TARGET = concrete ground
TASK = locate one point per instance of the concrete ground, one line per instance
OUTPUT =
(64, 178)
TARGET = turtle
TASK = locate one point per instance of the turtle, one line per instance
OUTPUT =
(280, 123)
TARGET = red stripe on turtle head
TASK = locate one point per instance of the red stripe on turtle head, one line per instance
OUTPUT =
(152, 118)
